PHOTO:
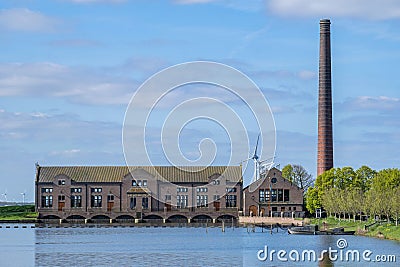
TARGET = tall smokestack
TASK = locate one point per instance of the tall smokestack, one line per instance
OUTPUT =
(325, 136)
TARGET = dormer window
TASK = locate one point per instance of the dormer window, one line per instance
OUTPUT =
(61, 182)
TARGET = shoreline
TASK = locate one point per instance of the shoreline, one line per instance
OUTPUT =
(382, 230)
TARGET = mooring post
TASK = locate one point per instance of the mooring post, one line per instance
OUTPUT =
(223, 226)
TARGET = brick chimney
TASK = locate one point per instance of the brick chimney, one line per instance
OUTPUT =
(325, 135)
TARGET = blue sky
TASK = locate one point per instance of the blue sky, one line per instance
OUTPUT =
(68, 69)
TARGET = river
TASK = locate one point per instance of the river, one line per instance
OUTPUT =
(185, 246)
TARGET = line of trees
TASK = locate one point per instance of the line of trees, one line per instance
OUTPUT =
(347, 193)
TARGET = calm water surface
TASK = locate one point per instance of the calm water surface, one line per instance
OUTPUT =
(141, 246)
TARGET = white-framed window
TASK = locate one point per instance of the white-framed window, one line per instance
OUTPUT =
(230, 189)
(261, 195)
(76, 190)
(145, 203)
(47, 190)
(202, 201)
(231, 201)
(181, 201)
(201, 189)
(216, 182)
(47, 201)
(96, 201)
(182, 189)
(132, 203)
(96, 190)
(76, 201)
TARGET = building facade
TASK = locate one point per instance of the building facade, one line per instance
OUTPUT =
(120, 193)
(273, 193)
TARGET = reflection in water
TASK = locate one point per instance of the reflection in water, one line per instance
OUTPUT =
(328, 241)
(141, 246)
(326, 261)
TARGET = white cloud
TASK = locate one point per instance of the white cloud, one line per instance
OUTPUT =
(77, 84)
(253, 5)
(371, 103)
(306, 75)
(66, 152)
(23, 19)
(369, 9)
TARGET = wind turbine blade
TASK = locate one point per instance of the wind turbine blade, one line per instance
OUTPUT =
(255, 150)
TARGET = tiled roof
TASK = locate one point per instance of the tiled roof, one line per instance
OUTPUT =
(116, 173)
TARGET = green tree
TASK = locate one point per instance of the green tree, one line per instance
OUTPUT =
(313, 200)
(364, 176)
(343, 177)
(287, 172)
(298, 175)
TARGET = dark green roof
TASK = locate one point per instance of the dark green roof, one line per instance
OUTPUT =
(95, 174)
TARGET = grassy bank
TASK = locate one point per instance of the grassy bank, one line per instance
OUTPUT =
(26, 212)
(380, 230)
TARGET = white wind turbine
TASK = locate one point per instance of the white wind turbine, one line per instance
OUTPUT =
(5, 195)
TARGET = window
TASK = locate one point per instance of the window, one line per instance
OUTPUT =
(261, 195)
(273, 194)
(139, 183)
(181, 201)
(134, 183)
(110, 198)
(96, 190)
(61, 182)
(216, 197)
(280, 194)
(230, 189)
(144, 184)
(76, 190)
(96, 201)
(266, 194)
(167, 197)
(47, 201)
(132, 203)
(145, 203)
(202, 201)
(286, 195)
(216, 182)
(230, 201)
(76, 201)
(182, 189)
(47, 190)
(61, 198)
(202, 189)
(294, 208)
(290, 208)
